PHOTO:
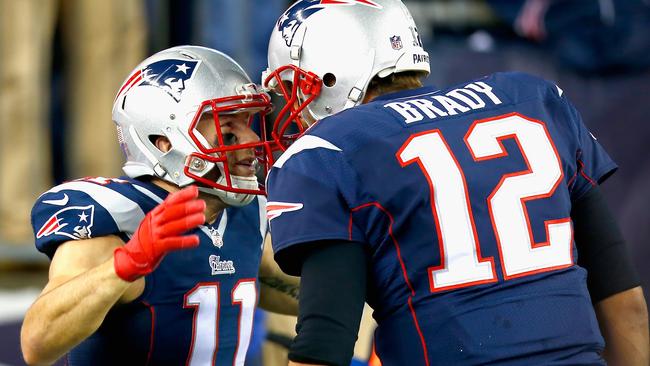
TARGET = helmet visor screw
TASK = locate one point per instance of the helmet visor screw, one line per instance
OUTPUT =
(197, 164)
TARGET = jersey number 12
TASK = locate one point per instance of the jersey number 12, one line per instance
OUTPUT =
(461, 261)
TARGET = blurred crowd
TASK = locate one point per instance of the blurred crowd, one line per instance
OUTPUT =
(62, 62)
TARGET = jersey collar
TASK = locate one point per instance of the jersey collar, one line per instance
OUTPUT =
(406, 93)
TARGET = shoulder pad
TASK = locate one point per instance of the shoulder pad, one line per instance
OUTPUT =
(83, 209)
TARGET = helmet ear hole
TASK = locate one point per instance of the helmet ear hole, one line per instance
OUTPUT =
(329, 80)
(161, 143)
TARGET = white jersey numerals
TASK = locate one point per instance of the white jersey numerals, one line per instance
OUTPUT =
(461, 261)
(205, 298)
(244, 294)
(461, 264)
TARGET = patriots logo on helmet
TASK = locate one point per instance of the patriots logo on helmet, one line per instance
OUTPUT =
(169, 75)
(292, 19)
(74, 222)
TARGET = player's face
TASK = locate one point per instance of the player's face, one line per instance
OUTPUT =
(235, 130)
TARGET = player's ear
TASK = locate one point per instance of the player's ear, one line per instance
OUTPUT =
(162, 143)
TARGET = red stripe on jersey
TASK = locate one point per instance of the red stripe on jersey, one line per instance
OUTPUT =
(404, 273)
(152, 310)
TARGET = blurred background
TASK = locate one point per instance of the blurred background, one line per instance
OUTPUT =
(62, 61)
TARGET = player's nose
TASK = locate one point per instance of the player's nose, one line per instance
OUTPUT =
(248, 136)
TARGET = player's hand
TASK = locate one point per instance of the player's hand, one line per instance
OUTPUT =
(159, 233)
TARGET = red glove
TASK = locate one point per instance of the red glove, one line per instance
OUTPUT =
(159, 233)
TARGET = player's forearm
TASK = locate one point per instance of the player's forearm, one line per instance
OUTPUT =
(279, 294)
(66, 315)
(623, 320)
(278, 291)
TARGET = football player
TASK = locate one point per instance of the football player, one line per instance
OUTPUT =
(455, 213)
(142, 271)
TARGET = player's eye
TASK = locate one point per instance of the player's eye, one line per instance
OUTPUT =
(229, 138)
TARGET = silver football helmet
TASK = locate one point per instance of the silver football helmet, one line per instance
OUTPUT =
(324, 53)
(168, 94)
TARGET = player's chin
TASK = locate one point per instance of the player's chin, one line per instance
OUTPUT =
(212, 176)
(242, 170)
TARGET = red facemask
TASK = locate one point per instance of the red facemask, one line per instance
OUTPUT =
(255, 104)
(304, 88)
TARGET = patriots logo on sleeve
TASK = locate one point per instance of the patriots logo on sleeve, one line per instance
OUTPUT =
(169, 75)
(275, 209)
(73, 222)
(291, 20)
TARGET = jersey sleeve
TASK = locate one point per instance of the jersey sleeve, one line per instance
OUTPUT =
(310, 193)
(81, 210)
(593, 164)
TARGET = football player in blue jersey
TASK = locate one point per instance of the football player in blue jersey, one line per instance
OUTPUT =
(143, 272)
(467, 217)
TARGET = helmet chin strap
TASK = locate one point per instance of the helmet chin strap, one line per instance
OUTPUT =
(359, 89)
(232, 198)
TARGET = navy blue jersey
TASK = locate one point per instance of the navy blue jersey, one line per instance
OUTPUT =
(463, 197)
(197, 306)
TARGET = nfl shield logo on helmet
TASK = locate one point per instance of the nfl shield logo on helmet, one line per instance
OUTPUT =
(396, 42)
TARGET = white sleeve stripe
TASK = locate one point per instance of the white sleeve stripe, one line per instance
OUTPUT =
(306, 142)
(261, 201)
(148, 193)
(126, 213)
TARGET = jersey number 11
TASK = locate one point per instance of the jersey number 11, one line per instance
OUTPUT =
(205, 298)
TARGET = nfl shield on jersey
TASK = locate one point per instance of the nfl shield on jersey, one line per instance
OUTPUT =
(197, 306)
(464, 197)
